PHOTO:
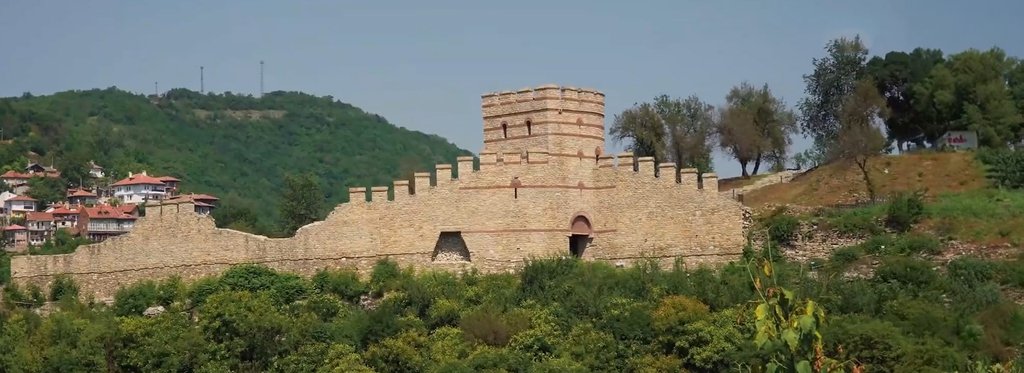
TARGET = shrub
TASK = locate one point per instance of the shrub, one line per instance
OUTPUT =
(862, 221)
(905, 210)
(63, 286)
(907, 272)
(249, 277)
(845, 256)
(906, 244)
(1004, 167)
(344, 284)
(781, 225)
(134, 299)
(491, 327)
(970, 272)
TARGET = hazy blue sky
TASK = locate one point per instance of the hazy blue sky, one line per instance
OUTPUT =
(424, 64)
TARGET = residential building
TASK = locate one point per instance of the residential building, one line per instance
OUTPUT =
(17, 181)
(139, 188)
(34, 169)
(15, 236)
(19, 205)
(95, 170)
(3, 198)
(100, 222)
(40, 227)
(80, 196)
(204, 203)
(64, 217)
(171, 183)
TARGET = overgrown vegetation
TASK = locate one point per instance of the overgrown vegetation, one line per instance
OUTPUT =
(236, 147)
(554, 315)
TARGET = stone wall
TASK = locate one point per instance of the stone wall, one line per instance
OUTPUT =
(505, 213)
(521, 203)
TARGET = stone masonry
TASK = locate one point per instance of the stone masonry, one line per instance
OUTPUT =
(544, 188)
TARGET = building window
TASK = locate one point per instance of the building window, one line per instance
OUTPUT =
(529, 127)
(504, 130)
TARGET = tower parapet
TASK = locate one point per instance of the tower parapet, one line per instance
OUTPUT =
(563, 121)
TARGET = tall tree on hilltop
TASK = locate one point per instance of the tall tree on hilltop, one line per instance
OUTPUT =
(972, 91)
(896, 76)
(690, 126)
(859, 137)
(644, 128)
(756, 126)
(301, 203)
(834, 78)
(1015, 80)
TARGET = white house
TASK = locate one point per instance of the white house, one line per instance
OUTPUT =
(139, 188)
(95, 170)
(19, 205)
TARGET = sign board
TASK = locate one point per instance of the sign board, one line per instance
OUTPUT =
(959, 140)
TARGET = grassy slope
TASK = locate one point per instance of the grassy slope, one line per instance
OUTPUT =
(834, 184)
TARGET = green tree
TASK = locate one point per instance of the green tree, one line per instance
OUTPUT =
(756, 126)
(896, 75)
(47, 190)
(834, 78)
(301, 203)
(643, 127)
(690, 127)
(859, 137)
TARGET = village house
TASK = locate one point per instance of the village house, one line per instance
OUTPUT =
(101, 222)
(79, 196)
(40, 227)
(204, 203)
(18, 182)
(64, 217)
(35, 169)
(95, 170)
(171, 185)
(15, 236)
(139, 188)
(19, 205)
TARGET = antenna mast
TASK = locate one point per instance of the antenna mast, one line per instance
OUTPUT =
(156, 89)
(261, 78)
(201, 83)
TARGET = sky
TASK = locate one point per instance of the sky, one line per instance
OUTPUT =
(424, 64)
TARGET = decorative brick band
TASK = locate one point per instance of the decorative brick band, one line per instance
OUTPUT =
(545, 134)
(589, 125)
(598, 102)
(485, 187)
(529, 230)
(545, 109)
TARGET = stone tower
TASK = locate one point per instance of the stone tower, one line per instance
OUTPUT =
(562, 121)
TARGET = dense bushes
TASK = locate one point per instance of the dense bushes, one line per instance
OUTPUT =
(781, 226)
(904, 210)
(554, 315)
(1005, 167)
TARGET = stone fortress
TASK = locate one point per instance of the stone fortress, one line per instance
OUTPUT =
(545, 187)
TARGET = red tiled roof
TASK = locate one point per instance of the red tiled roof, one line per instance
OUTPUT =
(139, 179)
(14, 227)
(61, 210)
(39, 216)
(168, 179)
(15, 175)
(80, 193)
(108, 212)
(22, 198)
(204, 197)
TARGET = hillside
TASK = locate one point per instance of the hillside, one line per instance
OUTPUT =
(236, 147)
(840, 184)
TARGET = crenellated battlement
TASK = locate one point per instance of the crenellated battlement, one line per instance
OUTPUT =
(544, 187)
(543, 92)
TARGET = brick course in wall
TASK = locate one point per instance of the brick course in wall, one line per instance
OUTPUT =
(533, 191)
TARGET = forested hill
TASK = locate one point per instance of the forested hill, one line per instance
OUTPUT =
(236, 147)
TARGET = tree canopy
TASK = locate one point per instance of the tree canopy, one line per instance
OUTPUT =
(236, 147)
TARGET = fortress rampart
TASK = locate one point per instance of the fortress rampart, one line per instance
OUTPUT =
(536, 196)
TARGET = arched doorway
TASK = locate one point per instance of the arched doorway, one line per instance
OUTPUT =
(580, 232)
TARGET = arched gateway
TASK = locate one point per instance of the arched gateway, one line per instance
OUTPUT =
(580, 232)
